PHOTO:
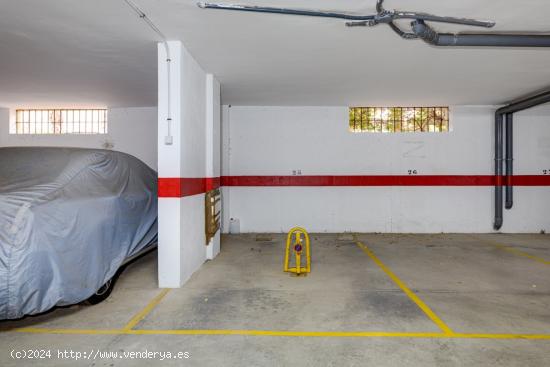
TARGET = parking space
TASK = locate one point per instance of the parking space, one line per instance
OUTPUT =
(436, 295)
(245, 288)
(474, 286)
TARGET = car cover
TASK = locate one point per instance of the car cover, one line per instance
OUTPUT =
(69, 217)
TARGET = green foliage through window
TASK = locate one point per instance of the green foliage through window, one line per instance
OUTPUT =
(398, 119)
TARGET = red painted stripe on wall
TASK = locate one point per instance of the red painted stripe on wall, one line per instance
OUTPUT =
(181, 187)
(531, 180)
(178, 187)
(212, 183)
(384, 180)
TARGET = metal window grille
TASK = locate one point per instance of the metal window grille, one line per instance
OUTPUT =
(398, 119)
(61, 121)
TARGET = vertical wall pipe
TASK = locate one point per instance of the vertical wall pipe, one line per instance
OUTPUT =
(508, 111)
(509, 160)
(498, 170)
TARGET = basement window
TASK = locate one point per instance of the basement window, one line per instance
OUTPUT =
(60, 121)
(398, 119)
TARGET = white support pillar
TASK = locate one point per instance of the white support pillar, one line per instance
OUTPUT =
(181, 166)
(213, 110)
(169, 166)
(225, 169)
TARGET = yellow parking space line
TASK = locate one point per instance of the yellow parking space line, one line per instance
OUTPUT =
(500, 336)
(231, 332)
(512, 250)
(143, 313)
(424, 307)
(340, 334)
(330, 334)
(519, 253)
(282, 333)
(35, 330)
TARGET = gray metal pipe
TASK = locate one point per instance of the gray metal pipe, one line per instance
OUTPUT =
(498, 170)
(499, 40)
(525, 103)
(509, 110)
(288, 11)
(422, 30)
(509, 160)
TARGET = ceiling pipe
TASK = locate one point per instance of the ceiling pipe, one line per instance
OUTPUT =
(429, 35)
(508, 111)
(287, 11)
(367, 20)
(525, 103)
(380, 9)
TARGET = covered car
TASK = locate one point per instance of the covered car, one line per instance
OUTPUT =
(69, 218)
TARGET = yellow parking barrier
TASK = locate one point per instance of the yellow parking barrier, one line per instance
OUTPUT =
(298, 269)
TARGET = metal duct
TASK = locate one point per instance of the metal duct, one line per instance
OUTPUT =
(422, 30)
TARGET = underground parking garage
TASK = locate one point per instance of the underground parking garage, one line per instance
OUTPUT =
(274, 183)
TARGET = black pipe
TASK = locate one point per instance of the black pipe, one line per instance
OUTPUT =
(432, 37)
(498, 170)
(509, 160)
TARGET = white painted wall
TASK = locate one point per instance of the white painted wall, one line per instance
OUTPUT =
(315, 140)
(195, 129)
(225, 166)
(169, 165)
(212, 146)
(130, 130)
(4, 124)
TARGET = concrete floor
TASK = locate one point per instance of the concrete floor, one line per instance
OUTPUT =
(488, 292)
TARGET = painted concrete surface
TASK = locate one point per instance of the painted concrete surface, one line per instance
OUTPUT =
(309, 141)
(193, 128)
(247, 289)
(471, 282)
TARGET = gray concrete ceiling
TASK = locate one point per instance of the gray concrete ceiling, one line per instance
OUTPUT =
(98, 53)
